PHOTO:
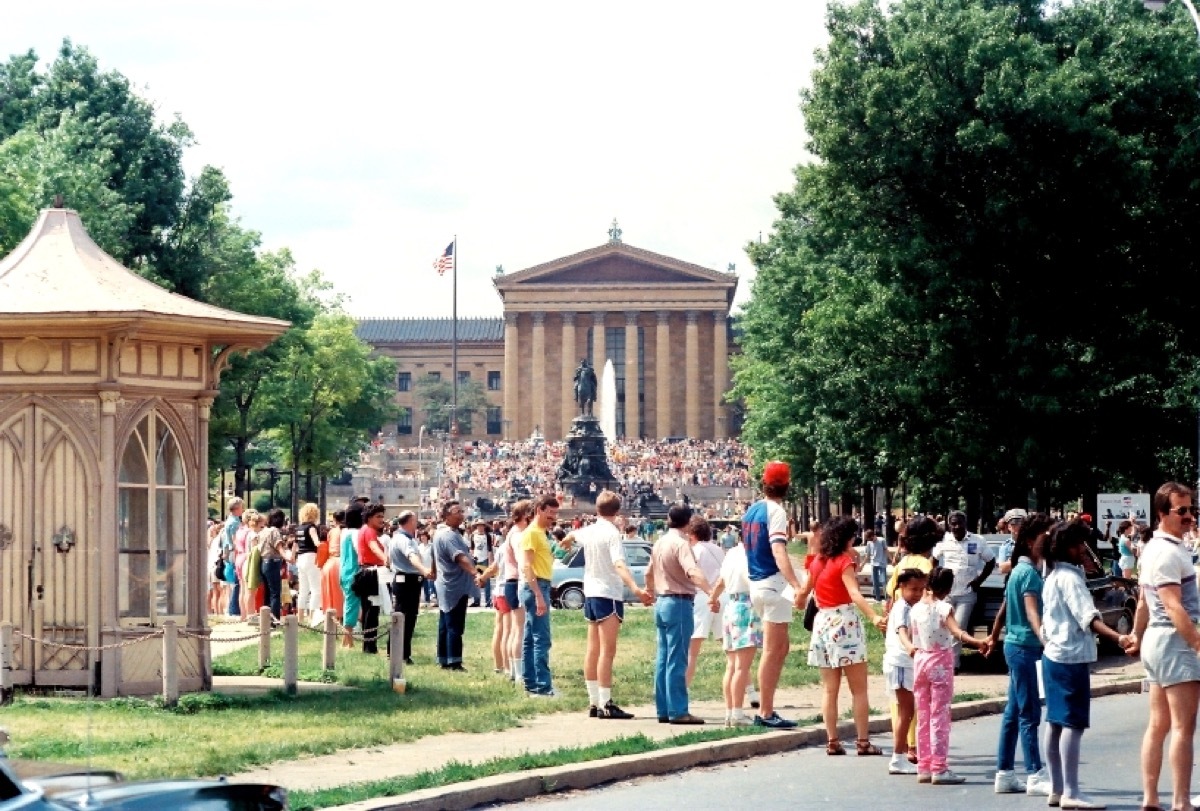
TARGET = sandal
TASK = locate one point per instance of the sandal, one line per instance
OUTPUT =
(834, 747)
(865, 747)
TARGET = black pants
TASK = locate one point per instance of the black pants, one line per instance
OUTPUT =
(370, 622)
(406, 600)
(452, 622)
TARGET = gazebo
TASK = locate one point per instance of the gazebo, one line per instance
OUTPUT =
(106, 384)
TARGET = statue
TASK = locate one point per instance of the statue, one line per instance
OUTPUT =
(585, 387)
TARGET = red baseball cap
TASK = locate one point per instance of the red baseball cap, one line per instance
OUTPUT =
(777, 474)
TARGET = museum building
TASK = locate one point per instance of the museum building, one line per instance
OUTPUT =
(664, 323)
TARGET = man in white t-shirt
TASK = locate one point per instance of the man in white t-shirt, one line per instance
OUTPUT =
(604, 576)
(705, 621)
(972, 560)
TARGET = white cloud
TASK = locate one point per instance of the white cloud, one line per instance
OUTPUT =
(363, 136)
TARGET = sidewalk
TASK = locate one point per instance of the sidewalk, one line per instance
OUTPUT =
(547, 733)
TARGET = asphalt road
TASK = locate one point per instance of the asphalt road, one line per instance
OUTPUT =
(810, 779)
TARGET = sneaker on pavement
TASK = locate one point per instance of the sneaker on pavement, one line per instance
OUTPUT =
(593, 711)
(739, 721)
(947, 778)
(1080, 802)
(752, 697)
(611, 710)
(1007, 782)
(899, 765)
(773, 721)
(1038, 783)
(924, 777)
(1053, 800)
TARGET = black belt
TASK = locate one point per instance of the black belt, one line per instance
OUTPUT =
(689, 597)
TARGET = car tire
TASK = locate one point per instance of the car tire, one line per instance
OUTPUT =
(1124, 625)
(571, 598)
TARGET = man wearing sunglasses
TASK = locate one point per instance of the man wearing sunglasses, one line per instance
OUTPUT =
(1165, 627)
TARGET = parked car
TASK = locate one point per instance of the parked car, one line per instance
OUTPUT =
(566, 582)
(1115, 597)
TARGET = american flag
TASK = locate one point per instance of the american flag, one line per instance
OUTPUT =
(445, 261)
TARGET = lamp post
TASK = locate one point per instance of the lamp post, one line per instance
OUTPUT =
(1159, 5)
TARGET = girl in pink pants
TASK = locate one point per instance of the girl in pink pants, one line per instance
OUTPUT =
(930, 639)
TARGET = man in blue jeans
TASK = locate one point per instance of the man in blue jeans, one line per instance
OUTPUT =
(537, 564)
(674, 577)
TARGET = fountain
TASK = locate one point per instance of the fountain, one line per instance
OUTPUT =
(584, 470)
(608, 401)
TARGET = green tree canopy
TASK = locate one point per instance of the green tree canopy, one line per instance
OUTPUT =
(436, 398)
(978, 282)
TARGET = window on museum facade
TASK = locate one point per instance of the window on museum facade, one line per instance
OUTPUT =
(152, 526)
(404, 420)
(463, 377)
(614, 348)
(493, 381)
(494, 422)
(404, 381)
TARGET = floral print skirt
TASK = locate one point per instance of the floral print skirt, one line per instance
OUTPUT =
(837, 638)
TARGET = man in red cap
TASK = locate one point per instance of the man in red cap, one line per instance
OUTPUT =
(764, 533)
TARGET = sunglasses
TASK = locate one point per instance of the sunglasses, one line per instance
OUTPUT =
(1182, 511)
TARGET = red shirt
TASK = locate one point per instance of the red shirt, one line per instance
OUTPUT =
(830, 589)
(366, 554)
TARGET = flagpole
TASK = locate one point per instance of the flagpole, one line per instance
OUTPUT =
(454, 343)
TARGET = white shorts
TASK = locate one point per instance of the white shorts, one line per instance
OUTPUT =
(899, 678)
(766, 597)
(705, 623)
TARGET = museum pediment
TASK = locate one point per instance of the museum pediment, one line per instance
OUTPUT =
(614, 264)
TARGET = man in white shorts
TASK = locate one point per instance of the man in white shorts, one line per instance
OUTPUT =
(1165, 627)
(705, 621)
(764, 532)
(605, 574)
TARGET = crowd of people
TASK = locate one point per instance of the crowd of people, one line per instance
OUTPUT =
(362, 566)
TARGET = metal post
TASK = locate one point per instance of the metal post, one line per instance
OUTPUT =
(264, 638)
(329, 652)
(291, 654)
(170, 671)
(396, 643)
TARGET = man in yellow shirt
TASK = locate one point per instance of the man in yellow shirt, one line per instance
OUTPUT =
(537, 563)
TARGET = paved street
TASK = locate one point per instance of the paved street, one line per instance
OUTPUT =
(811, 779)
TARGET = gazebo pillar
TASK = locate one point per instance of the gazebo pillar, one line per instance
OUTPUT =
(106, 567)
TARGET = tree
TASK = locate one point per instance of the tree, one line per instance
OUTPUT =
(959, 287)
(437, 401)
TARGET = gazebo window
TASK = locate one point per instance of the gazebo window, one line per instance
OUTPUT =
(152, 525)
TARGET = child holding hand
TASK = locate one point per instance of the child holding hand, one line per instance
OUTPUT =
(898, 667)
(929, 639)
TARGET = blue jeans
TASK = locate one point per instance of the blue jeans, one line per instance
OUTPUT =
(878, 581)
(1023, 712)
(427, 587)
(452, 621)
(235, 606)
(673, 619)
(272, 575)
(535, 647)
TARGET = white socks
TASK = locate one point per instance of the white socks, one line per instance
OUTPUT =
(604, 695)
(593, 690)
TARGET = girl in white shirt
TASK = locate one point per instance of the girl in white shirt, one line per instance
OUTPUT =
(741, 633)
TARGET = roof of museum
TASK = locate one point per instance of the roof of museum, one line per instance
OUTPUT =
(58, 270)
(429, 330)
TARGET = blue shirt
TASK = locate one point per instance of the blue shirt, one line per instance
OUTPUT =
(1024, 580)
(452, 583)
(763, 525)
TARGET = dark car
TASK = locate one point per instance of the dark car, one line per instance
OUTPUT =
(566, 582)
(1115, 597)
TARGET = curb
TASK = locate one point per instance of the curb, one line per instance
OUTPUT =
(525, 785)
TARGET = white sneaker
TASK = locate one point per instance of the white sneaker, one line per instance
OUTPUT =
(1080, 802)
(1007, 782)
(1053, 800)
(899, 765)
(739, 721)
(947, 778)
(1038, 783)
(752, 696)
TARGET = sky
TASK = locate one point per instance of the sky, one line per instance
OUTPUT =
(365, 136)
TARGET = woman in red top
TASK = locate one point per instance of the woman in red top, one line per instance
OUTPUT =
(839, 644)
(371, 555)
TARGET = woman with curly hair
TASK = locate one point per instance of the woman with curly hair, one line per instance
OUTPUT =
(839, 644)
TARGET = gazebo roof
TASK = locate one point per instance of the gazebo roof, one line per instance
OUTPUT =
(59, 272)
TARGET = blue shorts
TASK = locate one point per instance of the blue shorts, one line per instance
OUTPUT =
(510, 594)
(1068, 693)
(598, 609)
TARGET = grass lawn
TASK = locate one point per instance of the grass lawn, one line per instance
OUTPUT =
(211, 734)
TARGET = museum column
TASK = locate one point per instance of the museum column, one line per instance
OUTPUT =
(567, 396)
(720, 373)
(662, 375)
(633, 411)
(692, 366)
(598, 350)
(539, 372)
(511, 347)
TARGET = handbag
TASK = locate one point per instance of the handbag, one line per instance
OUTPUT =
(810, 613)
(365, 583)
